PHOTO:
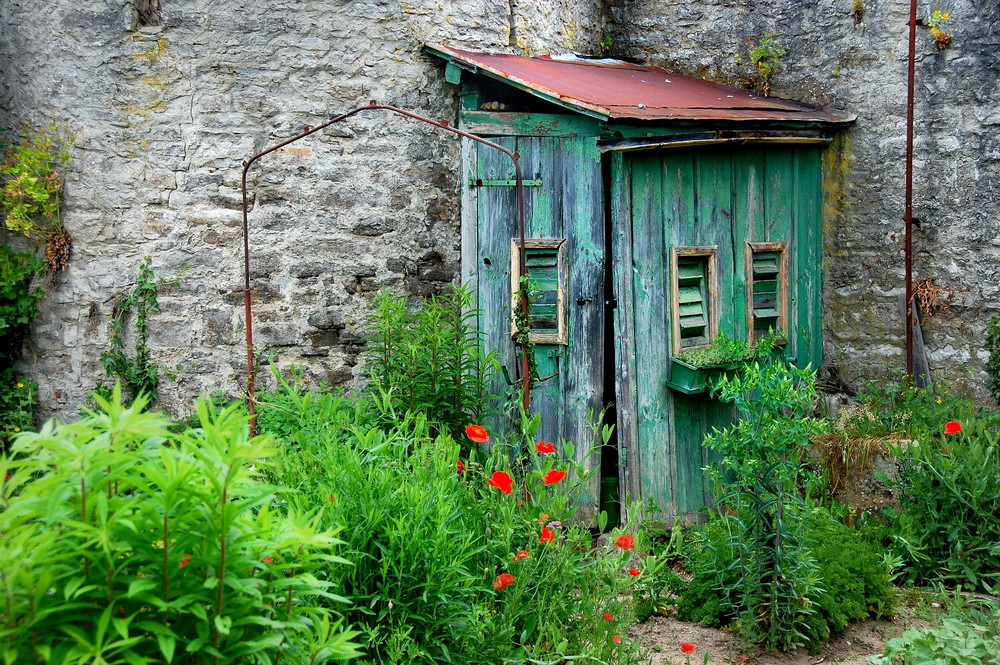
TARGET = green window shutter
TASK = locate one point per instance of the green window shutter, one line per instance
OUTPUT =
(545, 261)
(692, 300)
(768, 286)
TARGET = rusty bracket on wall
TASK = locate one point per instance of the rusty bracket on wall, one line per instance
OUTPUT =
(442, 124)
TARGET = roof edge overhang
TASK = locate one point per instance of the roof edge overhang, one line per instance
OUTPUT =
(771, 110)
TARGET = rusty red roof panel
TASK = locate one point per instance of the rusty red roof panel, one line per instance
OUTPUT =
(618, 89)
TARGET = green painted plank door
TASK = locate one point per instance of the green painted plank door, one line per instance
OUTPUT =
(717, 197)
(568, 204)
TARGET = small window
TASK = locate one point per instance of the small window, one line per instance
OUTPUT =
(545, 260)
(767, 289)
(694, 297)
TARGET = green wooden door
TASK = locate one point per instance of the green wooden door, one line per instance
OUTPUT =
(564, 207)
(704, 219)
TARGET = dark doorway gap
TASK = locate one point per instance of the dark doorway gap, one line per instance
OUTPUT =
(610, 498)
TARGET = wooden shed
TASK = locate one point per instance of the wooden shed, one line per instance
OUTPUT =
(661, 210)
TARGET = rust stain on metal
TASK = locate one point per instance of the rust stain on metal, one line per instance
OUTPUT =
(617, 89)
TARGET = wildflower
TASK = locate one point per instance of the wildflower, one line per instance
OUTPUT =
(477, 433)
(502, 482)
(625, 542)
(542, 518)
(17, 429)
(944, 451)
(634, 572)
(186, 560)
(553, 476)
(547, 535)
(952, 427)
(687, 648)
(503, 580)
(608, 616)
(333, 498)
(617, 639)
(20, 385)
(543, 447)
(461, 467)
(522, 554)
(269, 559)
(730, 511)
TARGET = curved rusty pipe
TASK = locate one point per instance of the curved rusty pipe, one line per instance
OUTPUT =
(248, 310)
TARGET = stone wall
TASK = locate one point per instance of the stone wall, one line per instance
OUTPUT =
(162, 116)
(835, 60)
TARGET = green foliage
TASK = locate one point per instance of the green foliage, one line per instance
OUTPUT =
(138, 374)
(727, 351)
(993, 364)
(18, 297)
(430, 360)
(32, 183)
(948, 529)
(969, 636)
(847, 579)
(766, 56)
(903, 410)
(127, 541)
(431, 538)
(761, 474)
(18, 398)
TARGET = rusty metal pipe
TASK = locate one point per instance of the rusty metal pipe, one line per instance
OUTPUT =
(908, 214)
(248, 309)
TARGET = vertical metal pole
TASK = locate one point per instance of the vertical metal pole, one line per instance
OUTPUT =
(908, 215)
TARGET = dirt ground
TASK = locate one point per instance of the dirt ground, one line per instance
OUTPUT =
(663, 636)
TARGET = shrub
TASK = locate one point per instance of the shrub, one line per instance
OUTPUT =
(969, 636)
(948, 529)
(18, 297)
(451, 568)
(429, 360)
(18, 398)
(125, 541)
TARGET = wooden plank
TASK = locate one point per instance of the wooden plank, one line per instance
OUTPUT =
(626, 406)
(486, 123)
(805, 265)
(470, 221)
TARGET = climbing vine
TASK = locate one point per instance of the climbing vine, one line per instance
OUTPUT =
(138, 373)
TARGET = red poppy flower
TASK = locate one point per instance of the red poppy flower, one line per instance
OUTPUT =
(543, 518)
(185, 561)
(543, 447)
(477, 433)
(547, 535)
(503, 580)
(634, 572)
(687, 648)
(461, 467)
(553, 476)
(944, 451)
(268, 559)
(617, 639)
(502, 482)
(608, 616)
(333, 498)
(952, 427)
(626, 542)
(523, 554)
(730, 511)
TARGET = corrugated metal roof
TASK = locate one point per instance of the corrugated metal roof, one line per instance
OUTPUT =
(623, 90)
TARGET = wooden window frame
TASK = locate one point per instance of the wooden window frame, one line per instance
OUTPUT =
(761, 247)
(712, 305)
(561, 336)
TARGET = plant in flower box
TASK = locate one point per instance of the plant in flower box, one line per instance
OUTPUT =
(695, 370)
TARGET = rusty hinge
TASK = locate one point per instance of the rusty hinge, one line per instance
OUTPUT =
(478, 182)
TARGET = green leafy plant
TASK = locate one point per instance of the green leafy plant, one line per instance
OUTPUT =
(429, 359)
(462, 557)
(138, 374)
(857, 10)
(31, 195)
(968, 636)
(760, 473)
(18, 398)
(722, 351)
(936, 23)
(765, 56)
(993, 364)
(128, 541)
(948, 530)
(19, 295)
